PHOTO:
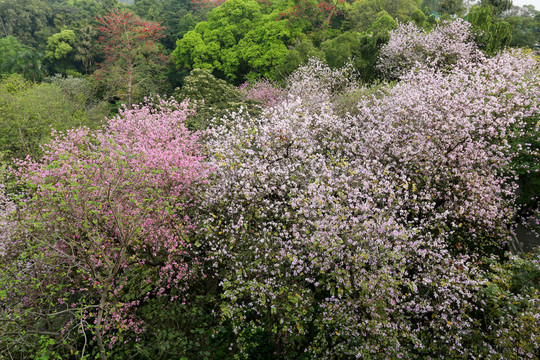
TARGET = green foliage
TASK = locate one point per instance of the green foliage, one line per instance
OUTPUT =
(202, 85)
(60, 51)
(419, 18)
(238, 40)
(85, 47)
(298, 56)
(148, 9)
(452, 7)
(29, 111)
(177, 18)
(24, 19)
(60, 44)
(510, 306)
(525, 31)
(19, 59)
(188, 330)
(364, 13)
(360, 48)
(498, 6)
(10, 49)
(214, 97)
(492, 35)
(342, 49)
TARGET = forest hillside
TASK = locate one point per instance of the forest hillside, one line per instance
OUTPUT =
(255, 179)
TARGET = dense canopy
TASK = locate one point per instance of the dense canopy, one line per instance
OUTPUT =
(253, 179)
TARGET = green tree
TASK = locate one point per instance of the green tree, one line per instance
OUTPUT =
(525, 30)
(60, 45)
(298, 56)
(498, 6)
(419, 18)
(452, 7)
(213, 97)
(149, 9)
(492, 34)
(237, 41)
(28, 111)
(85, 46)
(24, 19)
(60, 50)
(178, 17)
(28, 63)
(320, 19)
(363, 13)
(360, 48)
(10, 48)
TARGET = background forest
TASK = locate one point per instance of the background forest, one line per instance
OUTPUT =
(254, 179)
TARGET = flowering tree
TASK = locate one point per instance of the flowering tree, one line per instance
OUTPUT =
(448, 45)
(133, 58)
(318, 85)
(263, 91)
(361, 235)
(109, 211)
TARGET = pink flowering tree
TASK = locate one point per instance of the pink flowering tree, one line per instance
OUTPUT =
(363, 235)
(109, 211)
(450, 44)
(265, 92)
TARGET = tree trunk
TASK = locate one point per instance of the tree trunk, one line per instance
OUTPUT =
(99, 320)
(3, 26)
(130, 86)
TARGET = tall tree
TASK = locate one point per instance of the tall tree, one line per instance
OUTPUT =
(29, 63)
(84, 47)
(498, 6)
(363, 13)
(492, 34)
(60, 51)
(10, 48)
(133, 58)
(24, 19)
(238, 40)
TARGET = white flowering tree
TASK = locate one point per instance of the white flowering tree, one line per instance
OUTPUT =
(450, 44)
(362, 235)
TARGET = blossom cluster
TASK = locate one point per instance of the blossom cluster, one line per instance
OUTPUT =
(364, 233)
(109, 209)
(263, 91)
(450, 44)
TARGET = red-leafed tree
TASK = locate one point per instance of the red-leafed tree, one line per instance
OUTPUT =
(134, 61)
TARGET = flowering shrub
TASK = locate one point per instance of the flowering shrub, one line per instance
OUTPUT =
(362, 235)
(108, 211)
(450, 44)
(318, 85)
(264, 92)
